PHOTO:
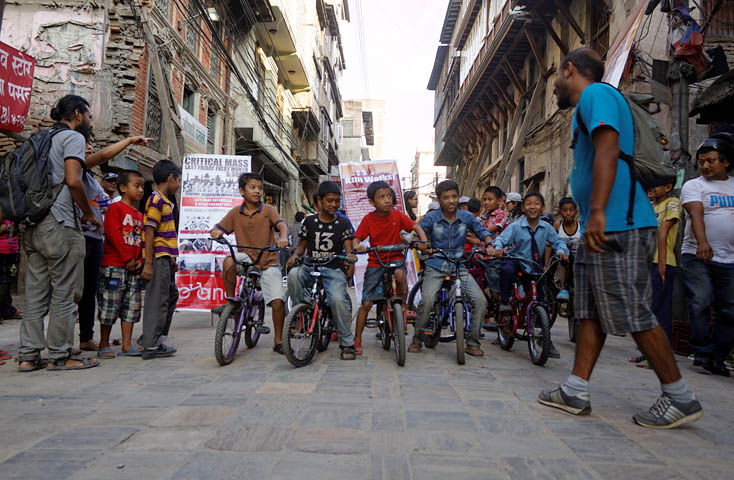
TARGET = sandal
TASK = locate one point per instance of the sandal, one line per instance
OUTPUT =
(38, 364)
(643, 364)
(5, 355)
(60, 364)
(639, 359)
(130, 353)
(348, 353)
(474, 351)
(278, 348)
(357, 348)
(415, 348)
(106, 353)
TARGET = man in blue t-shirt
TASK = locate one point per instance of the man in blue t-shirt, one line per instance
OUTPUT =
(611, 273)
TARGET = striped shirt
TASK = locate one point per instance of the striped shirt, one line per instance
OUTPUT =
(159, 215)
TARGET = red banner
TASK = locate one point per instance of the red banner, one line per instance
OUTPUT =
(16, 82)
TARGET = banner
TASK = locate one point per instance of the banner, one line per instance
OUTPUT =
(209, 190)
(194, 133)
(16, 82)
(355, 178)
(619, 52)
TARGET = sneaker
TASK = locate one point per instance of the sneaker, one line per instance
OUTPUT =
(666, 413)
(558, 399)
(563, 296)
(701, 362)
(717, 367)
(160, 352)
(553, 351)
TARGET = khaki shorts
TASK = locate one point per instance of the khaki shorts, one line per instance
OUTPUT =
(271, 280)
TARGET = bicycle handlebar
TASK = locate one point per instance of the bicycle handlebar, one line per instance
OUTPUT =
(232, 247)
(398, 247)
(320, 262)
(543, 270)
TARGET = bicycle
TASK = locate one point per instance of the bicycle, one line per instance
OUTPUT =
(450, 308)
(310, 321)
(391, 317)
(244, 311)
(528, 316)
(562, 308)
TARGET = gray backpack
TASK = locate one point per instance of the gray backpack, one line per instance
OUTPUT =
(648, 164)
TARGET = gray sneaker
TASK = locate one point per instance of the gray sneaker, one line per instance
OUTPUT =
(558, 399)
(666, 413)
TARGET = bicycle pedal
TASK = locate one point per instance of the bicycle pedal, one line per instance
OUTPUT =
(427, 332)
(262, 329)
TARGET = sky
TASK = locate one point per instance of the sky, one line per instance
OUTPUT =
(401, 38)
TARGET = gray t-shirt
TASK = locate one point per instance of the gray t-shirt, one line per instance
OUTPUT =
(65, 144)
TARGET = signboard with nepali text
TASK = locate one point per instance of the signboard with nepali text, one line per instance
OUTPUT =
(355, 178)
(16, 82)
(209, 190)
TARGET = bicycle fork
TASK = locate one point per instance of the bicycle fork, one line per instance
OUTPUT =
(458, 298)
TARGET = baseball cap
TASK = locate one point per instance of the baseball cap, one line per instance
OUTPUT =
(110, 176)
(464, 200)
(513, 197)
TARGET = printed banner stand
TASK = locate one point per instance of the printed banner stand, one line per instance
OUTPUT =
(355, 178)
(209, 190)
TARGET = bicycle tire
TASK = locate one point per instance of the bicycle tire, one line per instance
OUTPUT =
(292, 330)
(251, 334)
(386, 338)
(505, 332)
(573, 329)
(539, 321)
(398, 324)
(459, 332)
(228, 317)
(432, 340)
(322, 342)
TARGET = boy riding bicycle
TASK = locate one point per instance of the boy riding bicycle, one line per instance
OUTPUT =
(528, 237)
(446, 228)
(253, 224)
(323, 236)
(383, 227)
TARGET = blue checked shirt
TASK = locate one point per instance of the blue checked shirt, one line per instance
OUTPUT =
(517, 234)
(450, 236)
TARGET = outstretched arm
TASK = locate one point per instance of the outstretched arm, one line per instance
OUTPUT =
(110, 151)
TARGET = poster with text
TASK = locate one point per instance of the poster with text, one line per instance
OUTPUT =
(209, 190)
(355, 178)
(16, 83)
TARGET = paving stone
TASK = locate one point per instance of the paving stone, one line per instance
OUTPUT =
(340, 441)
(244, 438)
(522, 468)
(136, 465)
(388, 420)
(198, 399)
(512, 424)
(446, 442)
(439, 420)
(224, 466)
(442, 467)
(168, 439)
(606, 449)
(540, 445)
(323, 467)
(636, 471)
(388, 467)
(195, 416)
(285, 388)
(88, 437)
(342, 418)
(49, 464)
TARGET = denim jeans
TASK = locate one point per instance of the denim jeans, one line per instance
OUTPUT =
(54, 284)
(432, 281)
(335, 285)
(708, 285)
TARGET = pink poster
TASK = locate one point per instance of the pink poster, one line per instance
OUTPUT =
(16, 82)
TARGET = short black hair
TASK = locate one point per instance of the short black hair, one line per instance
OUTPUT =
(164, 169)
(300, 216)
(125, 177)
(446, 186)
(328, 187)
(474, 205)
(246, 177)
(534, 194)
(567, 201)
(587, 62)
(67, 105)
(496, 191)
(375, 186)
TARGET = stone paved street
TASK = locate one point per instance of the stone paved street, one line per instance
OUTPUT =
(187, 418)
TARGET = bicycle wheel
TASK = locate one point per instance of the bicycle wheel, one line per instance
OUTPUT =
(299, 346)
(382, 325)
(413, 292)
(459, 327)
(227, 337)
(252, 335)
(539, 341)
(434, 324)
(398, 332)
(505, 329)
(322, 342)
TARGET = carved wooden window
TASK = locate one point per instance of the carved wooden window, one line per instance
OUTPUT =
(192, 28)
(153, 115)
(598, 26)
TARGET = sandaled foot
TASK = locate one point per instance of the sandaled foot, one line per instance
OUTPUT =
(278, 348)
(32, 366)
(105, 352)
(5, 355)
(130, 352)
(415, 348)
(348, 353)
(358, 348)
(88, 346)
(474, 351)
(73, 363)
(639, 359)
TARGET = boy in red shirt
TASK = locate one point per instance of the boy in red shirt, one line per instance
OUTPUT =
(120, 283)
(383, 227)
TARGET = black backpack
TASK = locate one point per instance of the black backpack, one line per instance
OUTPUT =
(26, 189)
(648, 164)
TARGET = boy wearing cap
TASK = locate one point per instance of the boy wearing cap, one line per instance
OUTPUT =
(707, 254)
(514, 206)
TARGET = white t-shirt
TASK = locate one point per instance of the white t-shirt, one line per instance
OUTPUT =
(717, 197)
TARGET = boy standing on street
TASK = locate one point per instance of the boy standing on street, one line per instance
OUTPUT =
(569, 230)
(382, 227)
(253, 224)
(161, 252)
(120, 286)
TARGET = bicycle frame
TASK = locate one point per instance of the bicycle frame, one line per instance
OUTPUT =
(522, 305)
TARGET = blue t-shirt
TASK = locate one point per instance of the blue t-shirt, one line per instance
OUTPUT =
(601, 105)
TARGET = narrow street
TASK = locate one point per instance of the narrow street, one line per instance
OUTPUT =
(185, 417)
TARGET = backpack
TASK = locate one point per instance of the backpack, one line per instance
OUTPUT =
(648, 164)
(26, 190)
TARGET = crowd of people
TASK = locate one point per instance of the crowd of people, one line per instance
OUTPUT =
(93, 254)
